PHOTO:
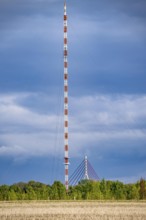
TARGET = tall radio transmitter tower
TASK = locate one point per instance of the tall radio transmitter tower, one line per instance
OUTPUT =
(66, 158)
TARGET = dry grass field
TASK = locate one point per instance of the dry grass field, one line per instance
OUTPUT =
(72, 210)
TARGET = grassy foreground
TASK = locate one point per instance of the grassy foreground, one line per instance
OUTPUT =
(90, 210)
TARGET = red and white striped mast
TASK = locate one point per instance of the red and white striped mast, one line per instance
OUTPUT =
(66, 158)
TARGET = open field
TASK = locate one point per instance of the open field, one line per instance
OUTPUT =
(90, 210)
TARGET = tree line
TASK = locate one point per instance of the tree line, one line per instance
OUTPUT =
(85, 190)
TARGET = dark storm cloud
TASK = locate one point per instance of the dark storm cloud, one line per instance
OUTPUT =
(110, 7)
(114, 38)
(28, 49)
(113, 35)
(15, 8)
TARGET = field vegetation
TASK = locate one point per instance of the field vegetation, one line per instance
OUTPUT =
(77, 210)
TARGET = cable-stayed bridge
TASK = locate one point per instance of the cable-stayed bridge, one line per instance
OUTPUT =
(84, 171)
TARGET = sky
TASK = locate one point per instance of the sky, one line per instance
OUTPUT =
(107, 89)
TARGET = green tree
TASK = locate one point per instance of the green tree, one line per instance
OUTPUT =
(142, 190)
(84, 187)
(4, 192)
(17, 190)
(41, 190)
(118, 190)
(12, 195)
(95, 193)
(103, 188)
(132, 192)
(57, 191)
(29, 193)
(74, 193)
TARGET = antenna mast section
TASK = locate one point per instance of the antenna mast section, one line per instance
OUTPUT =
(66, 158)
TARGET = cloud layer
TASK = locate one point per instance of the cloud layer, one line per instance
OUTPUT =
(95, 121)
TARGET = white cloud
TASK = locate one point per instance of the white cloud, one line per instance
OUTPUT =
(109, 110)
(12, 113)
(101, 120)
(24, 131)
